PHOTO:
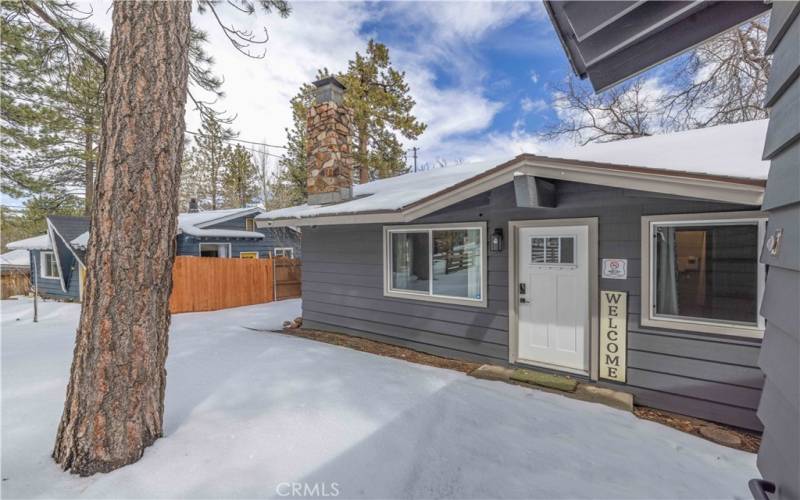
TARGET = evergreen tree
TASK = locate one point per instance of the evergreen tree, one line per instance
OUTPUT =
(289, 186)
(30, 220)
(210, 143)
(379, 97)
(240, 177)
(51, 105)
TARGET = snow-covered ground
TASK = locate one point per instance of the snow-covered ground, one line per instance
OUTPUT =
(248, 414)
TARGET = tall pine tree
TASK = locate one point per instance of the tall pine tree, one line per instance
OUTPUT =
(382, 107)
(379, 97)
(239, 177)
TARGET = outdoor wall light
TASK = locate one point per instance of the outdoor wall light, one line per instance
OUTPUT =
(496, 241)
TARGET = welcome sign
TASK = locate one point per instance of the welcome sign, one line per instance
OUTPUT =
(613, 335)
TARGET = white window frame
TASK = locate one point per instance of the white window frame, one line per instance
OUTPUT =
(290, 250)
(214, 243)
(250, 221)
(428, 296)
(42, 266)
(648, 315)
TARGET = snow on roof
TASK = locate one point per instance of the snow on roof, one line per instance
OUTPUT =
(725, 150)
(393, 193)
(81, 241)
(192, 223)
(41, 242)
(15, 258)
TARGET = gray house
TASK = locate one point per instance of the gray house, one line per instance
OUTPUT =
(58, 258)
(521, 261)
(609, 41)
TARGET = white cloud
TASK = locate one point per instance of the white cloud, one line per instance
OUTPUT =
(529, 105)
(534, 77)
(441, 37)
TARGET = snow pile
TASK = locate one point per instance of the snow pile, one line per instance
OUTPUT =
(725, 150)
(41, 242)
(15, 258)
(248, 413)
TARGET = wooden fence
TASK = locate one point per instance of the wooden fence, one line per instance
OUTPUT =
(209, 284)
(287, 278)
(14, 282)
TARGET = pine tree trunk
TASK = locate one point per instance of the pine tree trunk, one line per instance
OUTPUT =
(115, 397)
(363, 169)
(89, 163)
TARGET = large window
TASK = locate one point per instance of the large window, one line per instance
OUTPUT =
(704, 273)
(441, 263)
(48, 265)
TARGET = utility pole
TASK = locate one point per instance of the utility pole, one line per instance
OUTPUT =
(35, 272)
(415, 157)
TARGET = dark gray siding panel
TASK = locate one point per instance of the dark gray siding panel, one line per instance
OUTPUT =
(785, 64)
(784, 127)
(709, 376)
(778, 458)
(783, 186)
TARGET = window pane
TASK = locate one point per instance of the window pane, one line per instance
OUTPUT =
(410, 261)
(708, 272)
(568, 250)
(537, 250)
(457, 263)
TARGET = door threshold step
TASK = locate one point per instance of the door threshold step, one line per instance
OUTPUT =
(568, 386)
(557, 382)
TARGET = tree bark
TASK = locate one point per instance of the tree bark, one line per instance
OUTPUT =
(89, 163)
(115, 398)
(363, 169)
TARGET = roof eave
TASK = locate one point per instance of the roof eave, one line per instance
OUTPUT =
(742, 191)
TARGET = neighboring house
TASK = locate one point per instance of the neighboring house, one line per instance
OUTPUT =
(503, 262)
(609, 41)
(59, 256)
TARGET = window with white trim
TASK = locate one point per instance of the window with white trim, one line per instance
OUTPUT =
(250, 224)
(439, 263)
(705, 274)
(48, 265)
(284, 252)
(215, 250)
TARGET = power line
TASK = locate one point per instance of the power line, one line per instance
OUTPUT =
(239, 140)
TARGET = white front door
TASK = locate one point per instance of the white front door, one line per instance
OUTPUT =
(553, 296)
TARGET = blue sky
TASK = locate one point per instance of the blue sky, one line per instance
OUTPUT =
(480, 72)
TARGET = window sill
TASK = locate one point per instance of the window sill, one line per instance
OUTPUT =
(752, 332)
(435, 299)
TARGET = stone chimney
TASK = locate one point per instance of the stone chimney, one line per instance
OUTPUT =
(330, 163)
(193, 206)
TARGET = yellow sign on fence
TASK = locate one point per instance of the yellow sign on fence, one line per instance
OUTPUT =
(613, 335)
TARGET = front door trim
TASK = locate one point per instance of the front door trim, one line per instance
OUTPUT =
(513, 288)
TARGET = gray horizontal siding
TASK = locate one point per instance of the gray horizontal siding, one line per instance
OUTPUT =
(709, 376)
(51, 288)
(779, 410)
